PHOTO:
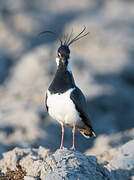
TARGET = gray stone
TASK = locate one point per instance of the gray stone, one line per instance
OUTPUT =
(29, 178)
(63, 164)
(71, 165)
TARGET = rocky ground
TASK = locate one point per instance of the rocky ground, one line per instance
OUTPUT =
(40, 164)
(102, 65)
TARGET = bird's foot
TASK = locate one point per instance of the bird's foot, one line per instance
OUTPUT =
(72, 148)
(62, 147)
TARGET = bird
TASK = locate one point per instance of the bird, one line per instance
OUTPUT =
(64, 101)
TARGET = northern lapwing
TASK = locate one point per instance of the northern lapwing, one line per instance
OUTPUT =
(64, 101)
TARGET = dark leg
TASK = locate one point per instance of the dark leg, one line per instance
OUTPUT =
(73, 146)
(61, 146)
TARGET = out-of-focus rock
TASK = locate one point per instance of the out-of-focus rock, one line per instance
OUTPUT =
(119, 161)
(31, 75)
(110, 142)
(125, 158)
(5, 65)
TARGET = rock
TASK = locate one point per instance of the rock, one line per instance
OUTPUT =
(63, 164)
(29, 178)
(29, 77)
(110, 144)
(22, 125)
(119, 161)
(71, 165)
(124, 158)
(5, 65)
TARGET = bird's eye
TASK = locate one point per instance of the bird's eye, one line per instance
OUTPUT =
(59, 55)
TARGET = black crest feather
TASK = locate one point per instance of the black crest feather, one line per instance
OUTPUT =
(68, 40)
(50, 32)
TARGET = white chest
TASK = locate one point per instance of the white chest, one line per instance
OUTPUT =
(62, 108)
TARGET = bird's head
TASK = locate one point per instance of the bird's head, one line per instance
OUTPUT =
(63, 53)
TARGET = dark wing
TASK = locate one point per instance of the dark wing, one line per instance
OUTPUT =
(46, 102)
(81, 106)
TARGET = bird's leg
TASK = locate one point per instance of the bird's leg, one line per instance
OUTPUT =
(61, 146)
(73, 131)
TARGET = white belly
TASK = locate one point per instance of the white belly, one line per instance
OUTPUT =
(62, 108)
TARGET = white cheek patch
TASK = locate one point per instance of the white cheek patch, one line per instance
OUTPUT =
(57, 61)
(68, 66)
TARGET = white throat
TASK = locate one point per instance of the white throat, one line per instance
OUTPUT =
(57, 61)
(68, 66)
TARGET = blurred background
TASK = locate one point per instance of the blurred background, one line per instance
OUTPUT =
(102, 64)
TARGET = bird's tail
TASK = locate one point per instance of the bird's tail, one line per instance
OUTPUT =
(87, 132)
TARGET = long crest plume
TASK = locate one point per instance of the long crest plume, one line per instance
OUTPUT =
(79, 36)
(51, 32)
(68, 40)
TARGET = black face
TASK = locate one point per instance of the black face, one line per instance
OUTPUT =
(63, 52)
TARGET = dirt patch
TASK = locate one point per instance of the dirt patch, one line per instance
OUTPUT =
(18, 174)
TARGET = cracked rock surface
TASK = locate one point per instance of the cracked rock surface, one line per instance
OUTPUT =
(63, 164)
(71, 165)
